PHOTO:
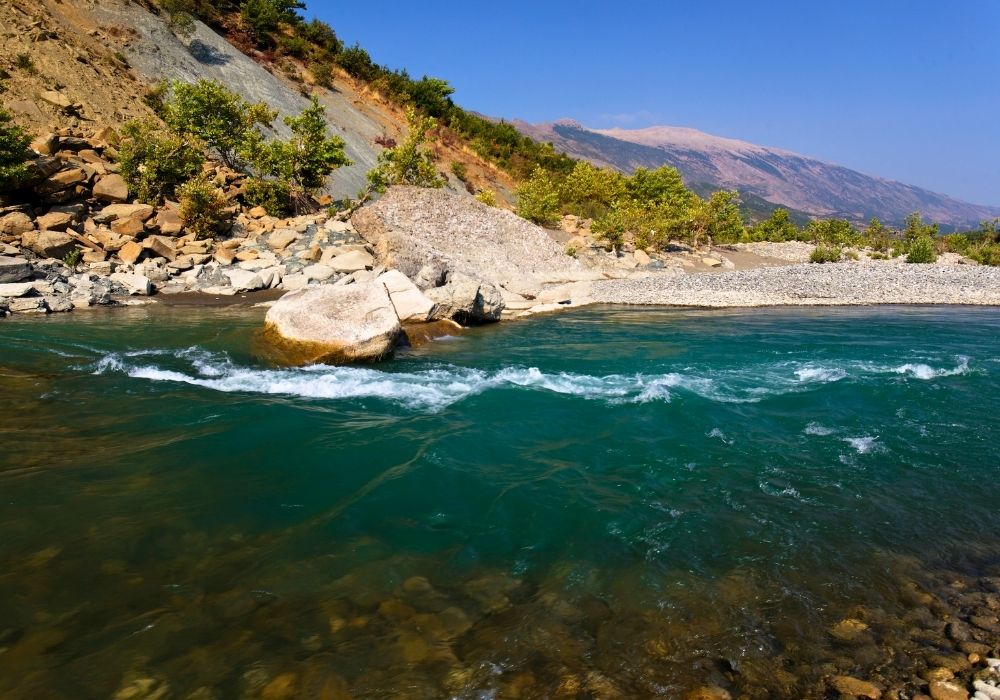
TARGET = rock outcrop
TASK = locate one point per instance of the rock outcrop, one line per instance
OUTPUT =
(333, 324)
(466, 301)
(410, 227)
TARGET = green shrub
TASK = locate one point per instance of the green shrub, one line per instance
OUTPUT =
(571, 251)
(220, 118)
(538, 198)
(294, 45)
(322, 74)
(408, 163)
(458, 170)
(181, 15)
(305, 160)
(155, 162)
(955, 243)
(23, 62)
(776, 228)
(202, 207)
(13, 154)
(322, 35)
(921, 250)
(986, 254)
(487, 197)
(275, 196)
(826, 254)
(263, 17)
(73, 258)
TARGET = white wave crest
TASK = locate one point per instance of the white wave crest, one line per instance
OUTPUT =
(923, 371)
(820, 374)
(863, 445)
(818, 430)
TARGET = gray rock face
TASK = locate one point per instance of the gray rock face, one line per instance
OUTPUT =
(410, 226)
(14, 269)
(411, 305)
(138, 285)
(466, 301)
(352, 323)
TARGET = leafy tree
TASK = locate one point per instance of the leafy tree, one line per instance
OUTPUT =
(777, 227)
(724, 218)
(406, 164)
(218, 117)
(312, 153)
(835, 232)
(155, 162)
(181, 14)
(876, 236)
(590, 191)
(322, 35)
(202, 206)
(263, 17)
(914, 228)
(432, 96)
(13, 153)
(663, 185)
(358, 63)
(538, 198)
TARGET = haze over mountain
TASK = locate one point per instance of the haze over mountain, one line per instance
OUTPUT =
(778, 176)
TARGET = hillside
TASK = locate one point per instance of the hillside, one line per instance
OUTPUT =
(102, 58)
(777, 176)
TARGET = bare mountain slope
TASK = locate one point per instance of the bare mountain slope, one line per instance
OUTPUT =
(778, 176)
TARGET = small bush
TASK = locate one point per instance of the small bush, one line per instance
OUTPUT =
(826, 254)
(73, 258)
(13, 154)
(851, 255)
(274, 195)
(921, 250)
(23, 62)
(875, 255)
(155, 163)
(294, 45)
(487, 197)
(571, 251)
(322, 74)
(458, 170)
(986, 254)
(202, 206)
(407, 163)
(538, 198)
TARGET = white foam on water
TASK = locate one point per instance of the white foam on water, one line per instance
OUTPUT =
(818, 430)
(864, 445)
(924, 371)
(820, 374)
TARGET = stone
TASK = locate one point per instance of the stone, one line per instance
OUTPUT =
(54, 221)
(111, 188)
(294, 281)
(352, 261)
(279, 240)
(13, 269)
(318, 272)
(48, 244)
(225, 256)
(46, 144)
(28, 305)
(327, 324)
(709, 693)
(63, 180)
(431, 275)
(257, 213)
(58, 305)
(15, 223)
(168, 220)
(948, 690)
(711, 262)
(136, 285)
(112, 212)
(56, 99)
(848, 630)
(128, 227)
(410, 303)
(244, 280)
(248, 255)
(130, 252)
(641, 257)
(164, 247)
(990, 691)
(17, 289)
(94, 256)
(848, 685)
(466, 301)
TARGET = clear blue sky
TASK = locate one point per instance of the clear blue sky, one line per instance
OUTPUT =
(908, 90)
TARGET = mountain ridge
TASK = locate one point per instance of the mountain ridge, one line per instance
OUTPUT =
(782, 177)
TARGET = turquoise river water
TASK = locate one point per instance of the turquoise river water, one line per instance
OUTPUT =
(614, 502)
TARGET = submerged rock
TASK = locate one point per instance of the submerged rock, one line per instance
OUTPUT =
(353, 323)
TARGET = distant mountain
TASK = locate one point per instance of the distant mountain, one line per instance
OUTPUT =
(761, 173)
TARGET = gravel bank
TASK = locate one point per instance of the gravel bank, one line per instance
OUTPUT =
(811, 285)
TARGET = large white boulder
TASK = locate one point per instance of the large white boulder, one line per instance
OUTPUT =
(466, 300)
(327, 324)
(410, 303)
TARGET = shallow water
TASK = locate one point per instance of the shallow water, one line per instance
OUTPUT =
(607, 503)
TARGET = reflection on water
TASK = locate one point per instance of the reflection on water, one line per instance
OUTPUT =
(163, 539)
